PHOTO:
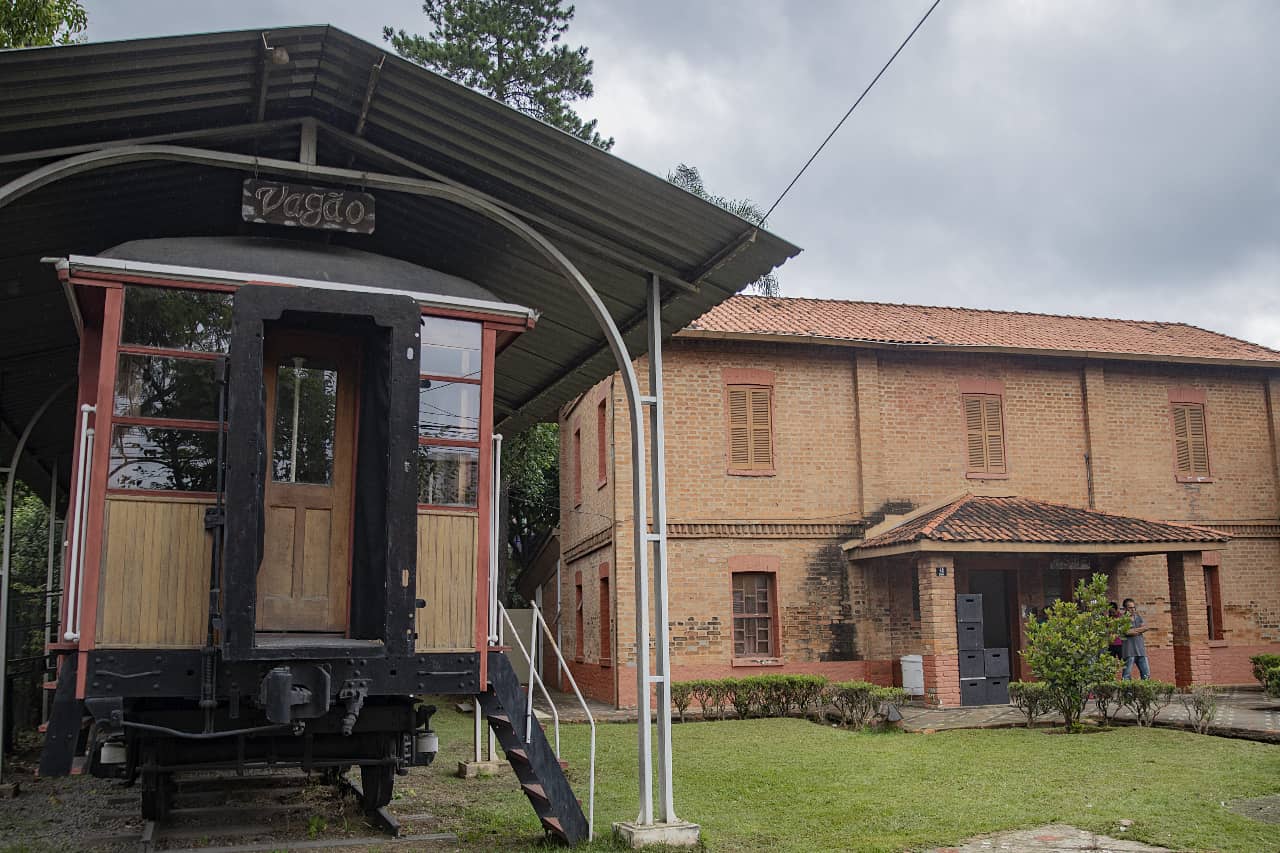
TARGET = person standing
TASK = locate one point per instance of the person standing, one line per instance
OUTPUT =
(1134, 646)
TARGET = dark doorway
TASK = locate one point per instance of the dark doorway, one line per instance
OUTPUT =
(993, 587)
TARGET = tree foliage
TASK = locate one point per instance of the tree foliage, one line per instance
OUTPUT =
(511, 50)
(1068, 651)
(26, 602)
(531, 468)
(690, 179)
(31, 23)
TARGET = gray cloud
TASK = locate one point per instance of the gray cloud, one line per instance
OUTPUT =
(1084, 157)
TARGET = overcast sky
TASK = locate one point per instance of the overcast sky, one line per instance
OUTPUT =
(1101, 158)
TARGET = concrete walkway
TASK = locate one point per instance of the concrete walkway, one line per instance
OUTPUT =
(1242, 712)
(1055, 837)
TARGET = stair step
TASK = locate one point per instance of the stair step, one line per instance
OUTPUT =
(518, 755)
(500, 718)
(534, 791)
(553, 824)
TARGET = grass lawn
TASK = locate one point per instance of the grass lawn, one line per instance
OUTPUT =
(794, 785)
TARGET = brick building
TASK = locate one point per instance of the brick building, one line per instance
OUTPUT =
(839, 471)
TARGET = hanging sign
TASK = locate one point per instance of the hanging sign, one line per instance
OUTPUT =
(302, 206)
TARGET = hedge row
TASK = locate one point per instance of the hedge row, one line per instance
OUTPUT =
(1145, 699)
(1266, 668)
(857, 703)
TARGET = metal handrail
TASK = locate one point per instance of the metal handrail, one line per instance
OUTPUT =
(79, 515)
(586, 709)
(504, 616)
(591, 771)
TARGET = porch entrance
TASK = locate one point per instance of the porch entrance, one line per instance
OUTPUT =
(311, 384)
(997, 589)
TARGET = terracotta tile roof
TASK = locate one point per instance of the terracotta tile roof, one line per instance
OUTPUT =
(974, 518)
(918, 325)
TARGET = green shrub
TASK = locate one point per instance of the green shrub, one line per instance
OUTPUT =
(806, 691)
(741, 693)
(893, 695)
(1146, 699)
(708, 694)
(1106, 698)
(682, 696)
(856, 701)
(1201, 702)
(1262, 663)
(1069, 650)
(1031, 698)
(1271, 683)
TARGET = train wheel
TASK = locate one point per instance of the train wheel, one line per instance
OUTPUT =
(157, 794)
(377, 780)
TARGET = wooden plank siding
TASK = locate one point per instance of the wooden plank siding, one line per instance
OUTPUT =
(447, 580)
(154, 585)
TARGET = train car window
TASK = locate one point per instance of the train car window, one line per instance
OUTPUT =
(165, 407)
(449, 392)
(305, 422)
(168, 318)
(450, 347)
(448, 476)
(162, 458)
(153, 386)
(448, 409)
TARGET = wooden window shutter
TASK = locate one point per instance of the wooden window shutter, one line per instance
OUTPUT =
(761, 429)
(739, 428)
(750, 428)
(993, 426)
(984, 433)
(1190, 440)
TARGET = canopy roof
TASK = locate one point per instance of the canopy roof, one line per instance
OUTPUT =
(370, 111)
(987, 523)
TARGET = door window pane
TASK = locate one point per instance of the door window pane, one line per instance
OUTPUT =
(181, 460)
(305, 420)
(450, 347)
(198, 320)
(448, 410)
(154, 386)
(448, 476)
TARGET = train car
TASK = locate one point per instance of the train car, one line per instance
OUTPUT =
(281, 517)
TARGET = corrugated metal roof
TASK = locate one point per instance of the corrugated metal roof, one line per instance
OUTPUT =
(613, 220)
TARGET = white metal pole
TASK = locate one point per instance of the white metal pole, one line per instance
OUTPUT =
(80, 487)
(640, 546)
(8, 548)
(657, 439)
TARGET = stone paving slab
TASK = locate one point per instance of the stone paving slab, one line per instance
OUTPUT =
(1054, 837)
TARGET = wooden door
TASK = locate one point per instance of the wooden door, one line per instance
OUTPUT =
(311, 393)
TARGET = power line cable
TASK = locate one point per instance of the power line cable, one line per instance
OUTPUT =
(840, 123)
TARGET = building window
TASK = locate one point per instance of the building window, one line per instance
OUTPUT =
(1213, 603)
(754, 633)
(750, 428)
(606, 624)
(164, 433)
(1190, 441)
(578, 632)
(577, 467)
(602, 448)
(915, 596)
(984, 434)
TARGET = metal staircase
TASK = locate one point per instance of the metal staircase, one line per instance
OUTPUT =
(530, 754)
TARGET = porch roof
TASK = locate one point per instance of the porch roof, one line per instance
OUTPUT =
(1016, 524)
(256, 93)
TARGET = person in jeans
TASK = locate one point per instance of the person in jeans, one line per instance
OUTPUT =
(1134, 647)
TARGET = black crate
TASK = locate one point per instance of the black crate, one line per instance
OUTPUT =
(969, 635)
(973, 691)
(997, 691)
(973, 665)
(969, 608)
(996, 663)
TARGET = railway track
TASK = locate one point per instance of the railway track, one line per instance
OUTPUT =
(265, 812)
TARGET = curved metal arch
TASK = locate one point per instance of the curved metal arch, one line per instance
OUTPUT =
(106, 158)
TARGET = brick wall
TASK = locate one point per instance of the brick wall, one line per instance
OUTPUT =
(860, 432)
